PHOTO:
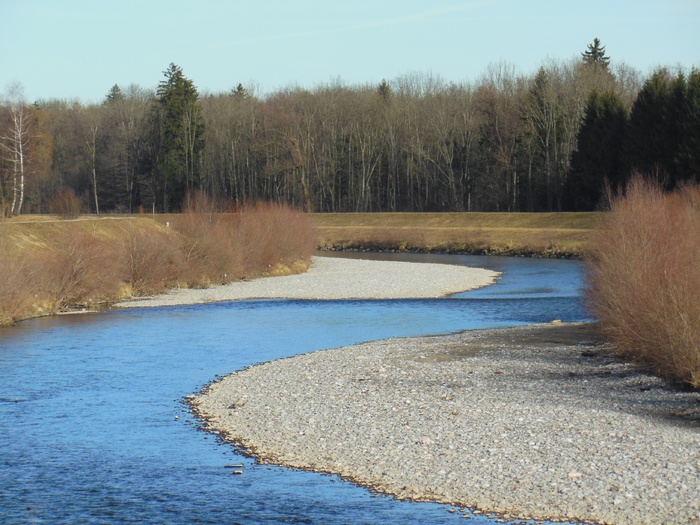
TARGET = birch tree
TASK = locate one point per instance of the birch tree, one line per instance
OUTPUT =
(90, 132)
(14, 143)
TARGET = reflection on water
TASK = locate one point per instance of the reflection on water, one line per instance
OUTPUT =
(93, 429)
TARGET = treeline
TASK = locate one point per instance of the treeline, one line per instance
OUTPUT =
(507, 142)
(659, 138)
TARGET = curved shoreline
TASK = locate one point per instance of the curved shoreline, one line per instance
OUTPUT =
(536, 422)
(337, 278)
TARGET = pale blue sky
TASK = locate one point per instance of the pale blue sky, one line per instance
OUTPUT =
(80, 48)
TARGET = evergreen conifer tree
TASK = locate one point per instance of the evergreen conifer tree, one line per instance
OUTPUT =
(596, 161)
(651, 140)
(384, 90)
(181, 131)
(595, 54)
(115, 94)
(240, 92)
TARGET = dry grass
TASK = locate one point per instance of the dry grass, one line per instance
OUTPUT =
(644, 278)
(548, 234)
(50, 266)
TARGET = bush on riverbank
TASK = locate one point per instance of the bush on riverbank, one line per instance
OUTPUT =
(262, 239)
(51, 266)
(644, 278)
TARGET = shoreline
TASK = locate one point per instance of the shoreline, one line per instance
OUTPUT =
(535, 422)
(333, 278)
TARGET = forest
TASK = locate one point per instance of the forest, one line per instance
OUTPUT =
(556, 140)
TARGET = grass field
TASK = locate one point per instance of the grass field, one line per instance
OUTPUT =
(548, 234)
(534, 234)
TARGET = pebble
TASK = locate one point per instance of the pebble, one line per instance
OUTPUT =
(337, 278)
(564, 431)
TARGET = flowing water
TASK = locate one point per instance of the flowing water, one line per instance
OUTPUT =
(93, 428)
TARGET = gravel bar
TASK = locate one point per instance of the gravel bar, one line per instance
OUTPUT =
(337, 278)
(536, 422)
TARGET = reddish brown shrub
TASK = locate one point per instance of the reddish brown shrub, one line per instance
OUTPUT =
(208, 254)
(16, 292)
(77, 268)
(644, 278)
(78, 265)
(272, 234)
(150, 261)
(65, 204)
(255, 239)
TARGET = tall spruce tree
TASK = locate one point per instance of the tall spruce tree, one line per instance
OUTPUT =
(595, 55)
(239, 92)
(596, 161)
(114, 95)
(652, 135)
(181, 134)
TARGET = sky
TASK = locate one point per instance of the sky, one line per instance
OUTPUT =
(78, 49)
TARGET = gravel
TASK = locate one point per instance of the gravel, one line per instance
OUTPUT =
(336, 278)
(538, 422)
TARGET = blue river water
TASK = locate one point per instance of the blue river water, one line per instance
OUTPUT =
(93, 428)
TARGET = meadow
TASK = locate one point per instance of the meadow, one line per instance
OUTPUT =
(529, 234)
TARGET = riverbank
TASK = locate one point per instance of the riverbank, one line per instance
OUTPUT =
(556, 235)
(53, 266)
(335, 278)
(530, 422)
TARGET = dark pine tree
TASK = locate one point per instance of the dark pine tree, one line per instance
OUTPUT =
(384, 90)
(651, 140)
(239, 92)
(115, 95)
(595, 55)
(181, 131)
(596, 161)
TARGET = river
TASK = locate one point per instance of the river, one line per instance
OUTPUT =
(93, 428)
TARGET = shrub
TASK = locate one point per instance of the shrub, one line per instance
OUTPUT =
(150, 261)
(644, 278)
(65, 204)
(76, 269)
(207, 243)
(85, 264)
(272, 234)
(255, 239)
(15, 290)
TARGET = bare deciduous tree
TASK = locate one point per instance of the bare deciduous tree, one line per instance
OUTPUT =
(15, 142)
